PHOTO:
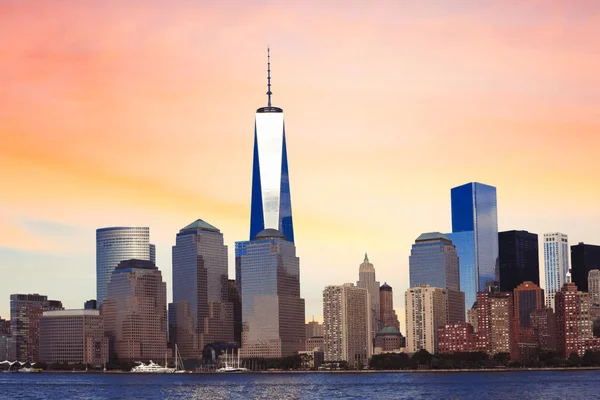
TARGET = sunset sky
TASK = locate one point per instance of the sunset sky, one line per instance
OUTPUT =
(142, 113)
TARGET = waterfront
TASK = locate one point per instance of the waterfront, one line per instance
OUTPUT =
(490, 385)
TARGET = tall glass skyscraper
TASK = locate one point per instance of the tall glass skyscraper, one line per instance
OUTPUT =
(201, 312)
(434, 261)
(117, 244)
(475, 235)
(272, 310)
(271, 201)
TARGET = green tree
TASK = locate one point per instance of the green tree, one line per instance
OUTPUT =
(574, 359)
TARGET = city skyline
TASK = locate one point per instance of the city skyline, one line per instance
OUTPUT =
(164, 142)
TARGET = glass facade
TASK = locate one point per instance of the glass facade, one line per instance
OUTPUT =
(200, 279)
(271, 206)
(465, 244)
(474, 213)
(584, 258)
(433, 260)
(518, 259)
(272, 310)
(117, 244)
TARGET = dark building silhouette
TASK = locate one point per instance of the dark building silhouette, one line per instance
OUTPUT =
(518, 259)
(584, 258)
(235, 299)
(90, 305)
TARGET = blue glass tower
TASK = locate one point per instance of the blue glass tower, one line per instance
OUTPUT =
(475, 235)
(271, 206)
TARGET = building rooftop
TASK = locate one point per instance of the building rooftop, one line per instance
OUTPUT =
(389, 331)
(201, 225)
(269, 234)
(137, 264)
(432, 236)
(385, 287)
(70, 313)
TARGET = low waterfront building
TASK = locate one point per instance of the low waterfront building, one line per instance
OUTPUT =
(73, 337)
(389, 340)
(457, 338)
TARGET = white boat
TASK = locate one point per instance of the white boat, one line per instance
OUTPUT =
(178, 362)
(234, 367)
(152, 368)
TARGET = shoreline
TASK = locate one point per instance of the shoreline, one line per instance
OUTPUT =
(369, 371)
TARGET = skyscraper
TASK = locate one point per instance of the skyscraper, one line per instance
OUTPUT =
(366, 280)
(495, 322)
(594, 286)
(135, 312)
(433, 260)
(346, 324)
(271, 206)
(25, 313)
(584, 258)
(387, 313)
(573, 320)
(200, 279)
(528, 298)
(426, 312)
(518, 258)
(556, 264)
(273, 322)
(117, 244)
(475, 235)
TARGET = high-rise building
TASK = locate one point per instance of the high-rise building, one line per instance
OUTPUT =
(594, 286)
(573, 320)
(518, 259)
(235, 299)
(271, 206)
(314, 329)
(272, 310)
(200, 279)
(135, 312)
(434, 261)
(25, 313)
(366, 280)
(116, 244)
(387, 313)
(527, 297)
(4, 326)
(8, 348)
(543, 323)
(347, 324)
(475, 235)
(556, 264)
(426, 312)
(73, 337)
(495, 322)
(584, 258)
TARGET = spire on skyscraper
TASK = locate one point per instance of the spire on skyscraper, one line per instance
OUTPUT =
(366, 259)
(269, 93)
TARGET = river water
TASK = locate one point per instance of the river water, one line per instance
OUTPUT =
(520, 385)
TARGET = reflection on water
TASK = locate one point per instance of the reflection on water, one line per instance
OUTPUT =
(526, 385)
